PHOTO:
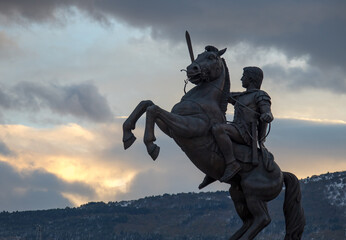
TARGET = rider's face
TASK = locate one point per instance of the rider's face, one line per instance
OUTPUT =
(245, 79)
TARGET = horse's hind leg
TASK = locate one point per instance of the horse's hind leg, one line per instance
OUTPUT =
(130, 123)
(242, 210)
(261, 219)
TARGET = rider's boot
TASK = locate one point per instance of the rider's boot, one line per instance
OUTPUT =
(232, 168)
(206, 181)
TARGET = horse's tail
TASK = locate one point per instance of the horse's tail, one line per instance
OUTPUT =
(293, 210)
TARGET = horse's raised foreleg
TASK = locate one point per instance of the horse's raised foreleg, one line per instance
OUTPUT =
(130, 123)
(187, 126)
(242, 210)
(149, 135)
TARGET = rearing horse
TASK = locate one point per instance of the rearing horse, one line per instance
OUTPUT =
(190, 124)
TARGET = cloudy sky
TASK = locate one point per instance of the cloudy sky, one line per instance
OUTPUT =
(71, 70)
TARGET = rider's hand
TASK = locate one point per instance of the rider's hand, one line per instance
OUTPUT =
(266, 117)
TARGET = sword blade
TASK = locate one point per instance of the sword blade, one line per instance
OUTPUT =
(189, 45)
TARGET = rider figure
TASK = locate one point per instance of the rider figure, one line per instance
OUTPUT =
(252, 113)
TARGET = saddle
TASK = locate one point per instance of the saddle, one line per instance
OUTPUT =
(243, 154)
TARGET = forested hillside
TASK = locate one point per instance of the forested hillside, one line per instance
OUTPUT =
(195, 216)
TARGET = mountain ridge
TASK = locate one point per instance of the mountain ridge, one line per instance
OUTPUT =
(195, 216)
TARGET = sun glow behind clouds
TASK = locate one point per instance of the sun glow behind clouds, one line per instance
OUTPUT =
(326, 121)
(309, 104)
(73, 154)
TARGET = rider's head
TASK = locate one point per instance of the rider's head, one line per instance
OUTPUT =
(255, 75)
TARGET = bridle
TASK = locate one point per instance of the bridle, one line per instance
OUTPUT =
(204, 75)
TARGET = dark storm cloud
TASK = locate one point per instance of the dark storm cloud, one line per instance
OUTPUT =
(4, 150)
(79, 100)
(7, 100)
(306, 148)
(29, 190)
(296, 78)
(34, 10)
(316, 139)
(314, 28)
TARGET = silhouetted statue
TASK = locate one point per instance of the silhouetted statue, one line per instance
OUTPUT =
(226, 151)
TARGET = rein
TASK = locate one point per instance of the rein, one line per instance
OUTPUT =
(186, 81)
(253, 111)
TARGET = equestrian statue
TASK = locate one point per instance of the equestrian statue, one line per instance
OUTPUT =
(231, 152)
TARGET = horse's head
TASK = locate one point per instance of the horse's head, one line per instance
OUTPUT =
(207, 67)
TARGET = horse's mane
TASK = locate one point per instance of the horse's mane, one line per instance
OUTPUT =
(226, 89)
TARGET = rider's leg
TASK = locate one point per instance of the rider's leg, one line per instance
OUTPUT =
(224, 134)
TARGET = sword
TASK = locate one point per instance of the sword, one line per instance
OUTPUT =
(254, 143)
(189, 45)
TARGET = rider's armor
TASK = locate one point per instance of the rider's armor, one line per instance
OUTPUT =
(248, 106)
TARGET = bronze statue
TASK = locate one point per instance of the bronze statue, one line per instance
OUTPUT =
(198, 125)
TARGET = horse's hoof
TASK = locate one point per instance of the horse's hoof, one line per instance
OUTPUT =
(129, 141)
(154, 151)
